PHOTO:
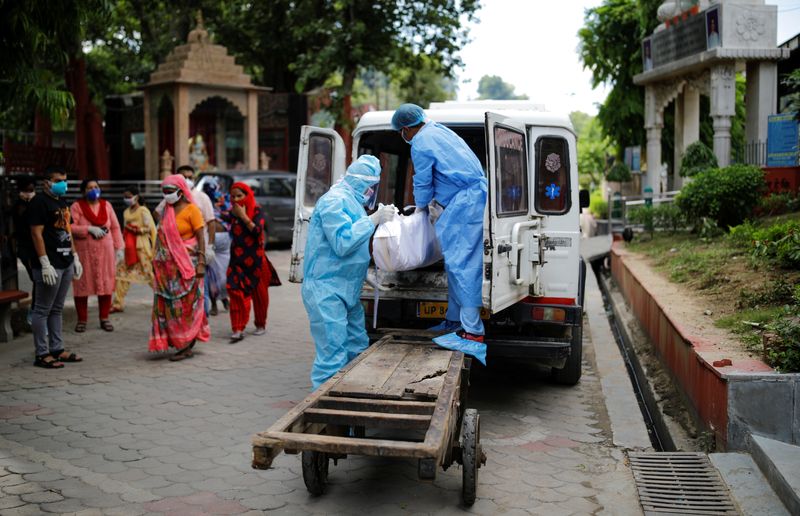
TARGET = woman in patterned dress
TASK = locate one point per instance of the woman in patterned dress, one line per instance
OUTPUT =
(139, 233)
(248, 270)
(179, 268)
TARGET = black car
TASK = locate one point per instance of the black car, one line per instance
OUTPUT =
(274, 192)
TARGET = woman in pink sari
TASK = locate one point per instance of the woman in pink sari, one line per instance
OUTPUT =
(179, 268)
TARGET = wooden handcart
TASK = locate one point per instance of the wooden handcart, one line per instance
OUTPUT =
(403, 397)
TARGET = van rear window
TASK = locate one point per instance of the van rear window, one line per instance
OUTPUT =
(512, 172)
(319, 172)
(552, 176)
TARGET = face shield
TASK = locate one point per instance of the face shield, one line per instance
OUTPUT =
(371, 197)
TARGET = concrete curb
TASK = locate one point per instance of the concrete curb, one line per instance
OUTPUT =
(780, 463)
(728, 397)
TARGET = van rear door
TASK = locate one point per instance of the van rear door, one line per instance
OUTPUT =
(321, 162)
(513, 255)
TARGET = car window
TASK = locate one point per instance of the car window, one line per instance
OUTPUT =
(552, 175)
(278, 187)
(512, 172)
(223, 182)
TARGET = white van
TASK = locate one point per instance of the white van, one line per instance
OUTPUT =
(533, 273)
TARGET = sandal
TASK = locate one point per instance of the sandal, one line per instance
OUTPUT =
(181, 355)
(115, 310)
(80, 327)
(106, 325)
(71, 357)
(47, 364)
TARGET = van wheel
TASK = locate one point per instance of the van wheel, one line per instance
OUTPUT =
(571, 372)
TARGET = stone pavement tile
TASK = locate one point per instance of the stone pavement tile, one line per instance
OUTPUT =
(43, 476)
(173, 490)
(21, 489)
(42, 497)
(31, 509)
(127, 510)
(577, 490)
(63, 506)
(152, 481)
(10, 501)
(579, 504)
(129, 475)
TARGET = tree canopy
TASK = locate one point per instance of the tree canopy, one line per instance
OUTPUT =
(495, 88)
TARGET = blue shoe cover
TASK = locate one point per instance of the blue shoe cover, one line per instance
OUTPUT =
(446, 326)
(468, 347)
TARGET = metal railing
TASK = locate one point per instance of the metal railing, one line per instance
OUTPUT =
(618, 215)
(112, 191)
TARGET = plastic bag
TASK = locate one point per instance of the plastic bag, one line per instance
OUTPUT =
(406, 243)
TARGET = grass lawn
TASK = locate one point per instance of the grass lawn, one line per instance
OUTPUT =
(746, 291)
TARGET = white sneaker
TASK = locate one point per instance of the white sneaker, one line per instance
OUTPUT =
(259, 331)
(236, 337)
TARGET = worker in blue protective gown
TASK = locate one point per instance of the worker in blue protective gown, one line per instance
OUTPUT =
(336, 262)
(448, 175)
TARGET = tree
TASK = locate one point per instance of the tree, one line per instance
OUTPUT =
(495, 88)
(610, 48)
(792, 80)
(424, 84)
(593, 147)
(36, 39)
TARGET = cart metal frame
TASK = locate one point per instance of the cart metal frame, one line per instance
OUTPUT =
(402, 383)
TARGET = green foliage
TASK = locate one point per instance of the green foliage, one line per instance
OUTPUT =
(423, 84)
(775, 244)
(610, 47)
(778, 204)
(727, 196)
(495, 88)
(669, 216)
(619, 173)
(773, 293)
(598, 205)
(697, 157)
(37, 39)
(593, 148)
(792, 80)
(782, 340)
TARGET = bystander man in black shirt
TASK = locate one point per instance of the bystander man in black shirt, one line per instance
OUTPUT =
(53, 269)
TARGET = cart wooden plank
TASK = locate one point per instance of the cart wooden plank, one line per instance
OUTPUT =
(445, 415)
(367, 378)
(370, 405)
(420, 373)
(346, 445)
(368, 419)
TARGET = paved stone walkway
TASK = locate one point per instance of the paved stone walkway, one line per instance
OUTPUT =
(126, 432)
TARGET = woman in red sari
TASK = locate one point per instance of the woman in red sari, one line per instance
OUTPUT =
(179, 268)
(249, 273)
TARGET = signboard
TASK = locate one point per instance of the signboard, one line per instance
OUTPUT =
(691, 34)
(782, 140)
(633, 158)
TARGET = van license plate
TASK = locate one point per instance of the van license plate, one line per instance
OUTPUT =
(438, 309)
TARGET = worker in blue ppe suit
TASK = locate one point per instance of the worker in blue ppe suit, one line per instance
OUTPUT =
(448, 174)
(336, 261)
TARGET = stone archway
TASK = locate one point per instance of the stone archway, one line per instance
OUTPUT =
(216, 135)
(192, 74)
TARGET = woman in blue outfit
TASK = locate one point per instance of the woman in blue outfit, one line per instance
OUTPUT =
(448, 174)
(336, 261)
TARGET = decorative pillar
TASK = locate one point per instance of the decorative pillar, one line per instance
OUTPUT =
(251, 131)
(181, 125)
(723, 108)
(762, 101)
(150, 140)
(687, 128)
(653, 123)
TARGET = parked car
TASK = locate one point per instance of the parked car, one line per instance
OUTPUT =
(274, 192)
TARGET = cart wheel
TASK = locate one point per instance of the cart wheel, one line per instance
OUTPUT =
(315, 471)
(470, 455)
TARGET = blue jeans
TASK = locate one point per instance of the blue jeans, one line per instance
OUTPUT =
(47, 311)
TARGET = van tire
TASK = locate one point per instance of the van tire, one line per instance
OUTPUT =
(570, 374)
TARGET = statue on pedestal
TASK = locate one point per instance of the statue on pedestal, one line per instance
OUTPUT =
(198, 156)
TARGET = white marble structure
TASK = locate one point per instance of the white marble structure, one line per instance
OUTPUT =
(747, 37)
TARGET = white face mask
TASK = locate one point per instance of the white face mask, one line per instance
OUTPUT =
(129, 200)
(173, 197)
(190, 183)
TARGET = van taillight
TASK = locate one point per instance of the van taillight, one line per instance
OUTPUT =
(546, 313)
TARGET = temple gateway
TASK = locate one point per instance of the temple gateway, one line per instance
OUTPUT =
(697, 50)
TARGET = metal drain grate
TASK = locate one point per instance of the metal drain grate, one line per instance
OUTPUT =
(680, 483)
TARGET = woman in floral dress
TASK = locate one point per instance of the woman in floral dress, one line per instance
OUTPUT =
(139, 233)
(249, 273)
(179, 268)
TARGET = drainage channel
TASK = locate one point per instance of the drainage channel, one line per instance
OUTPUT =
(659, 436)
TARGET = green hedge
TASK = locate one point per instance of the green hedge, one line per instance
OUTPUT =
(725, 195)
(697, 158)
